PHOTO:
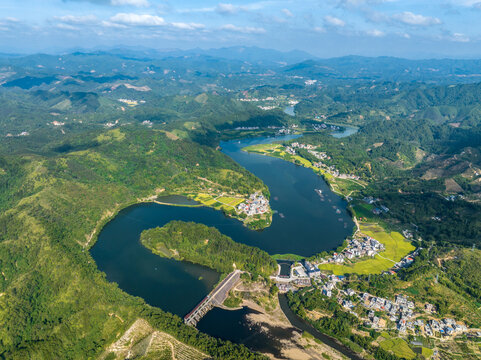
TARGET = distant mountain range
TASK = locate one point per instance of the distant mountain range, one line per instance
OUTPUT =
(247, 60)
(389, 69)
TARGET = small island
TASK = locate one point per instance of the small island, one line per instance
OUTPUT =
(206, 246)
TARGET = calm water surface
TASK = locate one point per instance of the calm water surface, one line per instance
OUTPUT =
(304, 223)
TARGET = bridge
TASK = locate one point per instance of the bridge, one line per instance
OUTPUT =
(215, 298)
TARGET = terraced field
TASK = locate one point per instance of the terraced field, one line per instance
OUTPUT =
(142, 342)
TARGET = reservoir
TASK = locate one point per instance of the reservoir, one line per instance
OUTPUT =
(304, 223)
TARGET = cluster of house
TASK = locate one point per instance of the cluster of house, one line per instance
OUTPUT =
(446, 327)
(247, 128)
(131, 102)
(269, 98)
(296, 145)
(301, 274)
(283, 131)
(399, 311)
(334, 172)
(378, 210)
(290, 150)
(406, 261)
(330, 284)
(255, 204)
(111, 124)
(356, 248)
(247, 99)
(319, 155)
(265, 107)
(320, 127)
(454, 197)
(370, 200)
(23, 133)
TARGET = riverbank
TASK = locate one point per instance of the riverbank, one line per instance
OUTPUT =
(396, 247)
(302, 324)
(267, 320)
(344, 187)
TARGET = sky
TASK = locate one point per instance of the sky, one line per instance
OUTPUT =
(324, 28)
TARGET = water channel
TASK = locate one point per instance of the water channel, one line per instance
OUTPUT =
(304, 223)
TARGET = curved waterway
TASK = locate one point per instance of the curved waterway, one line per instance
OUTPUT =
(304, 223)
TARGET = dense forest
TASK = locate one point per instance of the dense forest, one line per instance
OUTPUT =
(205, 245)
(54, 302)
(83, 136)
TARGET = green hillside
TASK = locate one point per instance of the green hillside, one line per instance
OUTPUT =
(54, 302)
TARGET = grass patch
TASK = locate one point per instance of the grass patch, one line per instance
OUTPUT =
(399, 347)
(363, 210)
(293, 257)
(230, 201)
(262, 148)
(232, 301)
(427, 353)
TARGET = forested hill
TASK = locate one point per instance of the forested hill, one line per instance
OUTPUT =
(54, 302)
(205, 245)
(458, 104)
(359, 68)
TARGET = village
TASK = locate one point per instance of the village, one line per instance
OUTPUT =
(319, 156)
(357, 248)
(255, 204)
(399, 313)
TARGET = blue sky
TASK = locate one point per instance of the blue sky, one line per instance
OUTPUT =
(326, 28)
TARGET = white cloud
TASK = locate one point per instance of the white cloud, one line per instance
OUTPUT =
(243, 29)
(458, 37)
(72, 19)
(188, 26)
(287, 12)
(319, 29)
(63, 26)
(138, 3)
(359, 3)
(375, 33)
(137, 19)
(410, 18)
(227, 9)
(334, 21)
(467, 3)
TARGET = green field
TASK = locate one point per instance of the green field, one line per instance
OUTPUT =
(399, 347)
(261, 148)
(293, 257)
(396, 248)
(205, 199)
(427, 353)
(230, 201)
(219, 203)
